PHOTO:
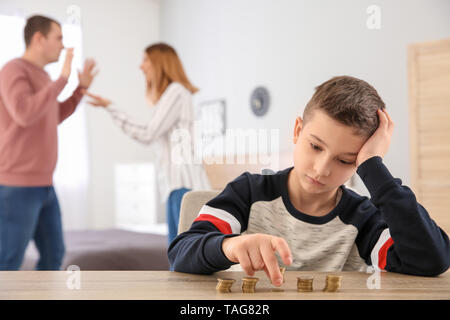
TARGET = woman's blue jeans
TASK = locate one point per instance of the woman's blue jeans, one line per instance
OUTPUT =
(173, 211)
(30, 213)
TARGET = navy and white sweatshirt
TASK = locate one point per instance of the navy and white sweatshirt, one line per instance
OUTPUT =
(390, 231)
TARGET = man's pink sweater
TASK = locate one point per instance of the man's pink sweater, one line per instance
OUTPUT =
(29, 116)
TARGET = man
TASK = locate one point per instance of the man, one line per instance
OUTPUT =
(29, 116)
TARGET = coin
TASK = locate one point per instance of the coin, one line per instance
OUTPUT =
(249, 284)
(282, 270)
(332, 283)
(305, 284)
(224, 285)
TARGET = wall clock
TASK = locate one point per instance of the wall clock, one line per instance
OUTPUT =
(260, 101)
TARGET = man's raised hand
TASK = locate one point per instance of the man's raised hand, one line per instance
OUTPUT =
(87, 75)
(67, 66)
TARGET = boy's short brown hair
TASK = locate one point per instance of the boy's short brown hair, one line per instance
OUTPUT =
(348, 100)
(35, 24)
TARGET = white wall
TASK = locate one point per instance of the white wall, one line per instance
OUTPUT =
(291, 46)
(115, 34)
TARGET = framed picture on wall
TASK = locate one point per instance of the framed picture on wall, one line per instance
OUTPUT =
(211, 125)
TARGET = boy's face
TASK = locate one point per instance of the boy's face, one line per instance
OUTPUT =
(325, 153)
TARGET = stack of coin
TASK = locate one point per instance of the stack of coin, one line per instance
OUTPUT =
(333, 283)
(224, 285)
(282, 270)
(305, 284)
(248, 284)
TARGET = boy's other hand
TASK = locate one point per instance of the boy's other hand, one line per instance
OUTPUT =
(257, 252)
(378, 143)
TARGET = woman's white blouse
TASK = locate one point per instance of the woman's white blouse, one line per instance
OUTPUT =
(172, 129)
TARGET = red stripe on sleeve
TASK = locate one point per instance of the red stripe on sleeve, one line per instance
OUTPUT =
(382, 254)
(223, 226)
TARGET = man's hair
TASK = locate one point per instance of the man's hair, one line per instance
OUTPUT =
(348, 100)
(37, 24)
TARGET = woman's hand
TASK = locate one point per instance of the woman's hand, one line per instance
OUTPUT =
(97, 101)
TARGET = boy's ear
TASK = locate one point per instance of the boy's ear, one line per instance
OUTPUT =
(297, 128)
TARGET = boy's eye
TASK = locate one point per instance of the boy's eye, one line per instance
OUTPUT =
(317, 148)
(345, 162)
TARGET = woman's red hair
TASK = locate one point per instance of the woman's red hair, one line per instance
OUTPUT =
(167, 67)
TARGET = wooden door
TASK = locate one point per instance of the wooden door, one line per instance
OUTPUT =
(429, 99)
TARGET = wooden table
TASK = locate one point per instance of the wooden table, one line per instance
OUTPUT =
(137, 285)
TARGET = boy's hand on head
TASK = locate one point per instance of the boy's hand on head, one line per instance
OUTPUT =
(378, 143)
(257, 252)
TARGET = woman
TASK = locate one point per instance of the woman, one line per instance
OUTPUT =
(170, 92)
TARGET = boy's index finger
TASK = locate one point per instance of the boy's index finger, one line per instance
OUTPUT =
(268, 250)
(271, 263)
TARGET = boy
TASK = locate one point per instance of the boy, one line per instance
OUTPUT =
(306, 214)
